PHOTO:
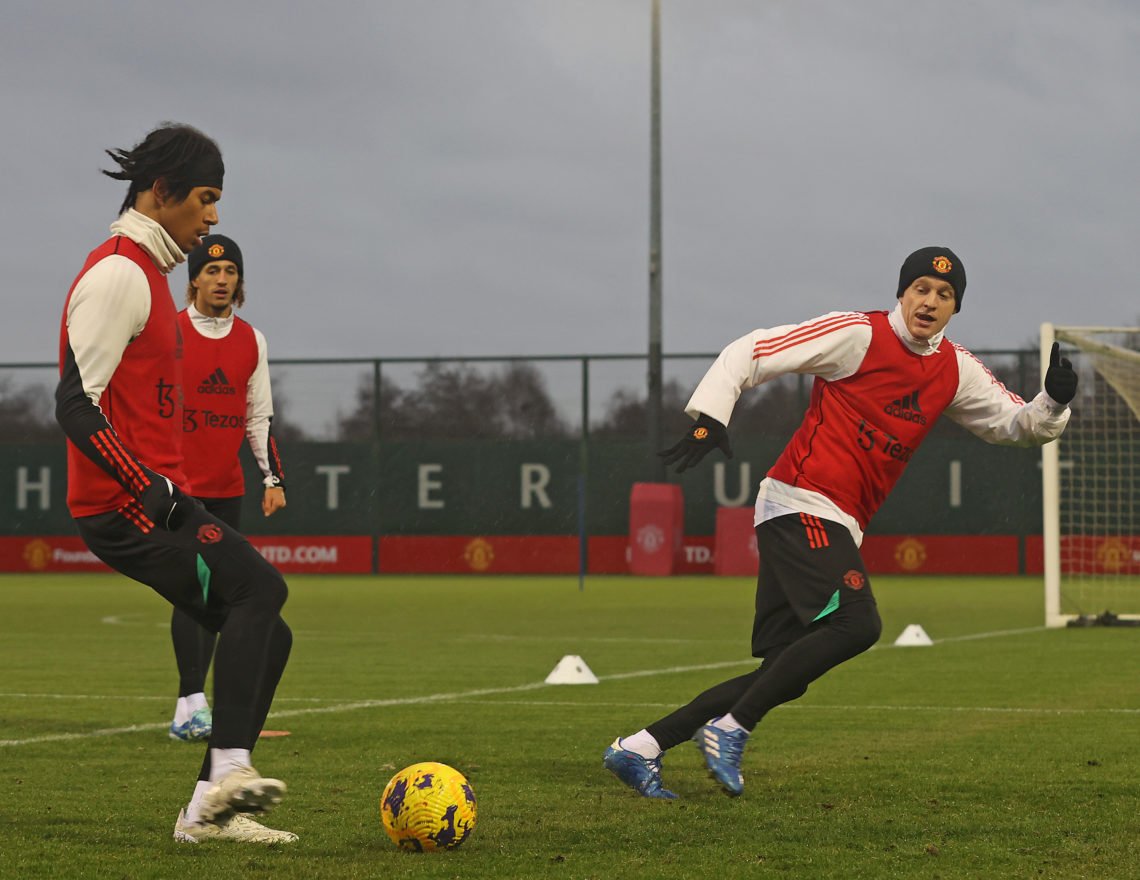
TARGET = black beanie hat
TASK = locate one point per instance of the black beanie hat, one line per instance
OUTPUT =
(212, 249)
(937, 262)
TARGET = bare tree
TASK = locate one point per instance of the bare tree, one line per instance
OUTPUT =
(773, 408)
(284, 428)
(452, 400)
(626, 413)
(27, 414)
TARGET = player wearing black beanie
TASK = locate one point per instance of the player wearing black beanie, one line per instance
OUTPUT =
(934, 262)
(882, 380)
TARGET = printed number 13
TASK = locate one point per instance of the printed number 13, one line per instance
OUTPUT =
(866, 438)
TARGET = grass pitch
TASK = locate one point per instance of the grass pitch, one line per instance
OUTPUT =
(1003, 751)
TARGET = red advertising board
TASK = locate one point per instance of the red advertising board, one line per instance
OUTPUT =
(489, 554)
(1083, 554)
(1034, 555)
(315, 554)
(941, 554)
(36, 553)
(521, 554)
(608, 554)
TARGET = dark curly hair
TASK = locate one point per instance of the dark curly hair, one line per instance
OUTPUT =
(174, 153)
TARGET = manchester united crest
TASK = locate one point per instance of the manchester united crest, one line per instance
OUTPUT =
(37, 553)
(854, 579)
(479, 554)
(910, 554)
(209, 534)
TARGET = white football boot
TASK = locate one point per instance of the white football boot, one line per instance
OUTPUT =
(243, 790)
(238, 827)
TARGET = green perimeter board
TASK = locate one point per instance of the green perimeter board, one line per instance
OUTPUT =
(531, 487)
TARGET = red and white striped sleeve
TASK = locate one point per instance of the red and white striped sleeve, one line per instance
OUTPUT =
(989, 410)
(831, 346)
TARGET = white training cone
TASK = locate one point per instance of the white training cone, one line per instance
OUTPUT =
(571, 669)
(913, 636)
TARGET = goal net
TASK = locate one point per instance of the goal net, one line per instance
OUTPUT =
(1091, 480)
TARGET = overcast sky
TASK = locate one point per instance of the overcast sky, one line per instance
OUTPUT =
(471, 177)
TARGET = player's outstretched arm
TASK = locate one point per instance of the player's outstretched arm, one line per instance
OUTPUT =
(706, 434)
(989, 410)
(831, 347)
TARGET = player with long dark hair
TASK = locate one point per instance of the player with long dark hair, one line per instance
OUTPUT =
(119, 402)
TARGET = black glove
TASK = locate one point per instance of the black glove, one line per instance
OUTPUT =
(1060, 378)
(707, 433)
(166, 504)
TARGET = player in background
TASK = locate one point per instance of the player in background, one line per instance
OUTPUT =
(226, 398)
(119, 402)
(881, 381)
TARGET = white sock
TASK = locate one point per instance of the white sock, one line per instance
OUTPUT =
(193, 809)
(727, 722)
(187, 706)
(641, 743)
(224, 761)
(196, 701)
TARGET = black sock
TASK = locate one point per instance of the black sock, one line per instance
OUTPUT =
(193, 650)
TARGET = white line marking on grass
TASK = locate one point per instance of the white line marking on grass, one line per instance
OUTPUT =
(359, 704)
(88, 734)
(987, 635)
(467, 695)
(643, 673)
(465, 699)
(77, 697)
(1012, 710)
(26, 696)
(620, 640)
(123, 620)
(117, 619)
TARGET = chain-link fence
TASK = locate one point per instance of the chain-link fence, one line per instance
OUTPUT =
(564, 397)
(522, 445)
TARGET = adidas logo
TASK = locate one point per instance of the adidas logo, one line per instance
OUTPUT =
(216, 383)
(906, 408)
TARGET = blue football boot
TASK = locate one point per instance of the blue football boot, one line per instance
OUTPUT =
(696, 737)
(723, 750)
(197, 729)
(641, 774)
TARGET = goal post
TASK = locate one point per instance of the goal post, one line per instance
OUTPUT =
(1091, 480)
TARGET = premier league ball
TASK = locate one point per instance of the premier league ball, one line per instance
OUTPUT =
(428, 806)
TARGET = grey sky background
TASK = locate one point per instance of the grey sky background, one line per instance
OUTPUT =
(471, 177)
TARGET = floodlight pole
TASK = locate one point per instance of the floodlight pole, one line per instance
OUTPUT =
(653, 407)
